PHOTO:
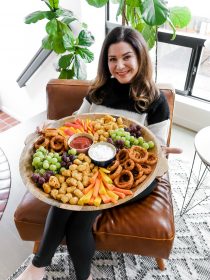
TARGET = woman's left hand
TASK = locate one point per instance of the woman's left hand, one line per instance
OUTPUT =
(171, 150)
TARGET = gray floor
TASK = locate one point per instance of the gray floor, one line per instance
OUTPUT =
(13, 251)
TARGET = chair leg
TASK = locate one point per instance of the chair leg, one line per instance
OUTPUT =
(36, 247)
(160, 263)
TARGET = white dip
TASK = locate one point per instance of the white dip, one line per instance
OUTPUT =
(101, 152)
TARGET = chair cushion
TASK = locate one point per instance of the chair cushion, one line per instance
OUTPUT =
(145, 227)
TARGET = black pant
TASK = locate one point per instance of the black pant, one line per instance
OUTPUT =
(77, 228)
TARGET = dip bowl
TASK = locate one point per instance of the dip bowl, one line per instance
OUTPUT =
(81, 142)
(102, 153)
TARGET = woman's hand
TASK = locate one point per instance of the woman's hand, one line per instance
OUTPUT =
(171, 150)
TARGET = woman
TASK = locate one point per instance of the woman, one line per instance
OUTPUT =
(123, 86)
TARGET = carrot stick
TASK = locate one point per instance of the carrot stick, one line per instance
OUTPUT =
(93, 178)
(91, 200)
(120, 194)
(96, 187)
(107, 185)
(87, 189)
(105, 198)
(127, 192)
(113, 200)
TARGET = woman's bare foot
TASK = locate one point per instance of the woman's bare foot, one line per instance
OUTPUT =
(90, 277)
(33, 273)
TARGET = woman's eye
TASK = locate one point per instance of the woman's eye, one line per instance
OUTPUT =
(112, 59)
(126, 57)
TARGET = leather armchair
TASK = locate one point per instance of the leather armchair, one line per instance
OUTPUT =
(145, 227)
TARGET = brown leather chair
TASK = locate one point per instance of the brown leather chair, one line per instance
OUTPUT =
(145, 227)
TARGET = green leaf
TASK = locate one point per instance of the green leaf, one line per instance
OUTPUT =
(47, 43)
(180, 16)
(65, 61)
(85, 54)
(85, 38)
(54, 3)
(68, 20)
(67, 35)
(52, 27)
(120, 8)
(39, 15)
(97, 3)
(66, 74)
(133, 3)
(58, 46)
(79, 68)
(154, 12)
(148, 32)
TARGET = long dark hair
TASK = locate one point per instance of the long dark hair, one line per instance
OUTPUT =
(143, 89)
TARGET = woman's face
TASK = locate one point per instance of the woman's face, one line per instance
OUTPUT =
(122, 62)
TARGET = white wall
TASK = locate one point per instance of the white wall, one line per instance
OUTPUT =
(20, 42)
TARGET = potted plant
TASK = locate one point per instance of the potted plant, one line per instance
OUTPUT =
(73, 50)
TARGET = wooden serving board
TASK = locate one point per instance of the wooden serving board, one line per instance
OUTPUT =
(26, 169)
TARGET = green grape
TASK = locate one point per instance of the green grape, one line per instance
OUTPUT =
(48, 158)
(72, 152)
(119, 133)
(42, 171)
(145, 146)
(123, 138)
(56, 155)
(45, 164)
(121, 129)
(135, 142)
(127, 143)
(118, 137)
(127, 137)
(58, 165)
(52, 167)
(36, 160)
(42, 149)
(38, 154)
(51, 155)
(54, 160)
(132, 138)
(151, 144)
(36, 171)
(62, 169)
(141, 140)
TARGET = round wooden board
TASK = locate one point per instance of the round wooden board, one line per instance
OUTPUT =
(26, 169)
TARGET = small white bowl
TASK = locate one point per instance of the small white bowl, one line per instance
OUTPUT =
(82, 134)
(102, 153)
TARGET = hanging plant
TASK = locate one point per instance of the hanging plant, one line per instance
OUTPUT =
(148, 15)
(73, 51)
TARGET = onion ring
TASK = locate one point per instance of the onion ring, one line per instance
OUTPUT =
(57, 142)
(42, 141)
(124, 180)
(128, 164)
(137, 171)
(113, 165)
(147, 169)
(50, 132)
(140, 180)
(152, 159)
(116, 173)
(122, 155)
(138, 154)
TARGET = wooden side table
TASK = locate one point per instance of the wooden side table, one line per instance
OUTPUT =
(202, 152)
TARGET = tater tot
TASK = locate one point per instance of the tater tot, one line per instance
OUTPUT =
(53, 182)
(80, 186)
(71, 181)
(78, 193)
(81, 156)
(66, 173)
(73, 167)
(46, 187)
(61, 178)
(77, 161)
(73, 200)
(70, 189)
(65, 198)
(54, 193)
(81, 167)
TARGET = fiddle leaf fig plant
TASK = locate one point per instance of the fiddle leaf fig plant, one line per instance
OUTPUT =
(73, 50)
(148, 15)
